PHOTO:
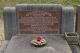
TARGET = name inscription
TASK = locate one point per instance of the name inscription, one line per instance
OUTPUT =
(38, 22)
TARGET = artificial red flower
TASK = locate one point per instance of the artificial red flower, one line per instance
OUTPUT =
(39, 38)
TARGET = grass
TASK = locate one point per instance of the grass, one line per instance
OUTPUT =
(14, 2)
(4, 3)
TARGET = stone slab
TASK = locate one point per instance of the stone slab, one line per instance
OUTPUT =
(38, 19)
(21, 44)
(68, 19)
(10, 27)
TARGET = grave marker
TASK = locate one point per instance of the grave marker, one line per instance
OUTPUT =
(39, 19)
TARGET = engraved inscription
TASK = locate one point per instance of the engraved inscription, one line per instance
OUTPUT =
(38, 22)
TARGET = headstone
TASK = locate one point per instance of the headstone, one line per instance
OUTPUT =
(9, 22)
(38, 19)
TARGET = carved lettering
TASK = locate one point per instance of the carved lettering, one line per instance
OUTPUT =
(38, 22)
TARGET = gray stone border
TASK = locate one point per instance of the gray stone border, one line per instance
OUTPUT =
(68, 16)
(9, 22)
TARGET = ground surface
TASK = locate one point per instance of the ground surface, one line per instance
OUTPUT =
(4, 3)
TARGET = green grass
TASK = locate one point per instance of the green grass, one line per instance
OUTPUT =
(14, 2)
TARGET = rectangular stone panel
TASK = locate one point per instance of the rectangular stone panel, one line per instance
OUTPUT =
(10, 27)
(68, 19)
(38, 19)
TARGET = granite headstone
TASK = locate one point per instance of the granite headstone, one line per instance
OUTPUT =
(38, 19)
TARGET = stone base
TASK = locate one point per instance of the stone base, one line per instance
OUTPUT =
(71, 36)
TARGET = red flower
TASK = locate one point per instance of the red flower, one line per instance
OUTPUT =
(39, 38)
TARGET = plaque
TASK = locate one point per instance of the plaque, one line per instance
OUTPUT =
(38, 22)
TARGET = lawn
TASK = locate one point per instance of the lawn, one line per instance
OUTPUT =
(14, 2)
(4, 3)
